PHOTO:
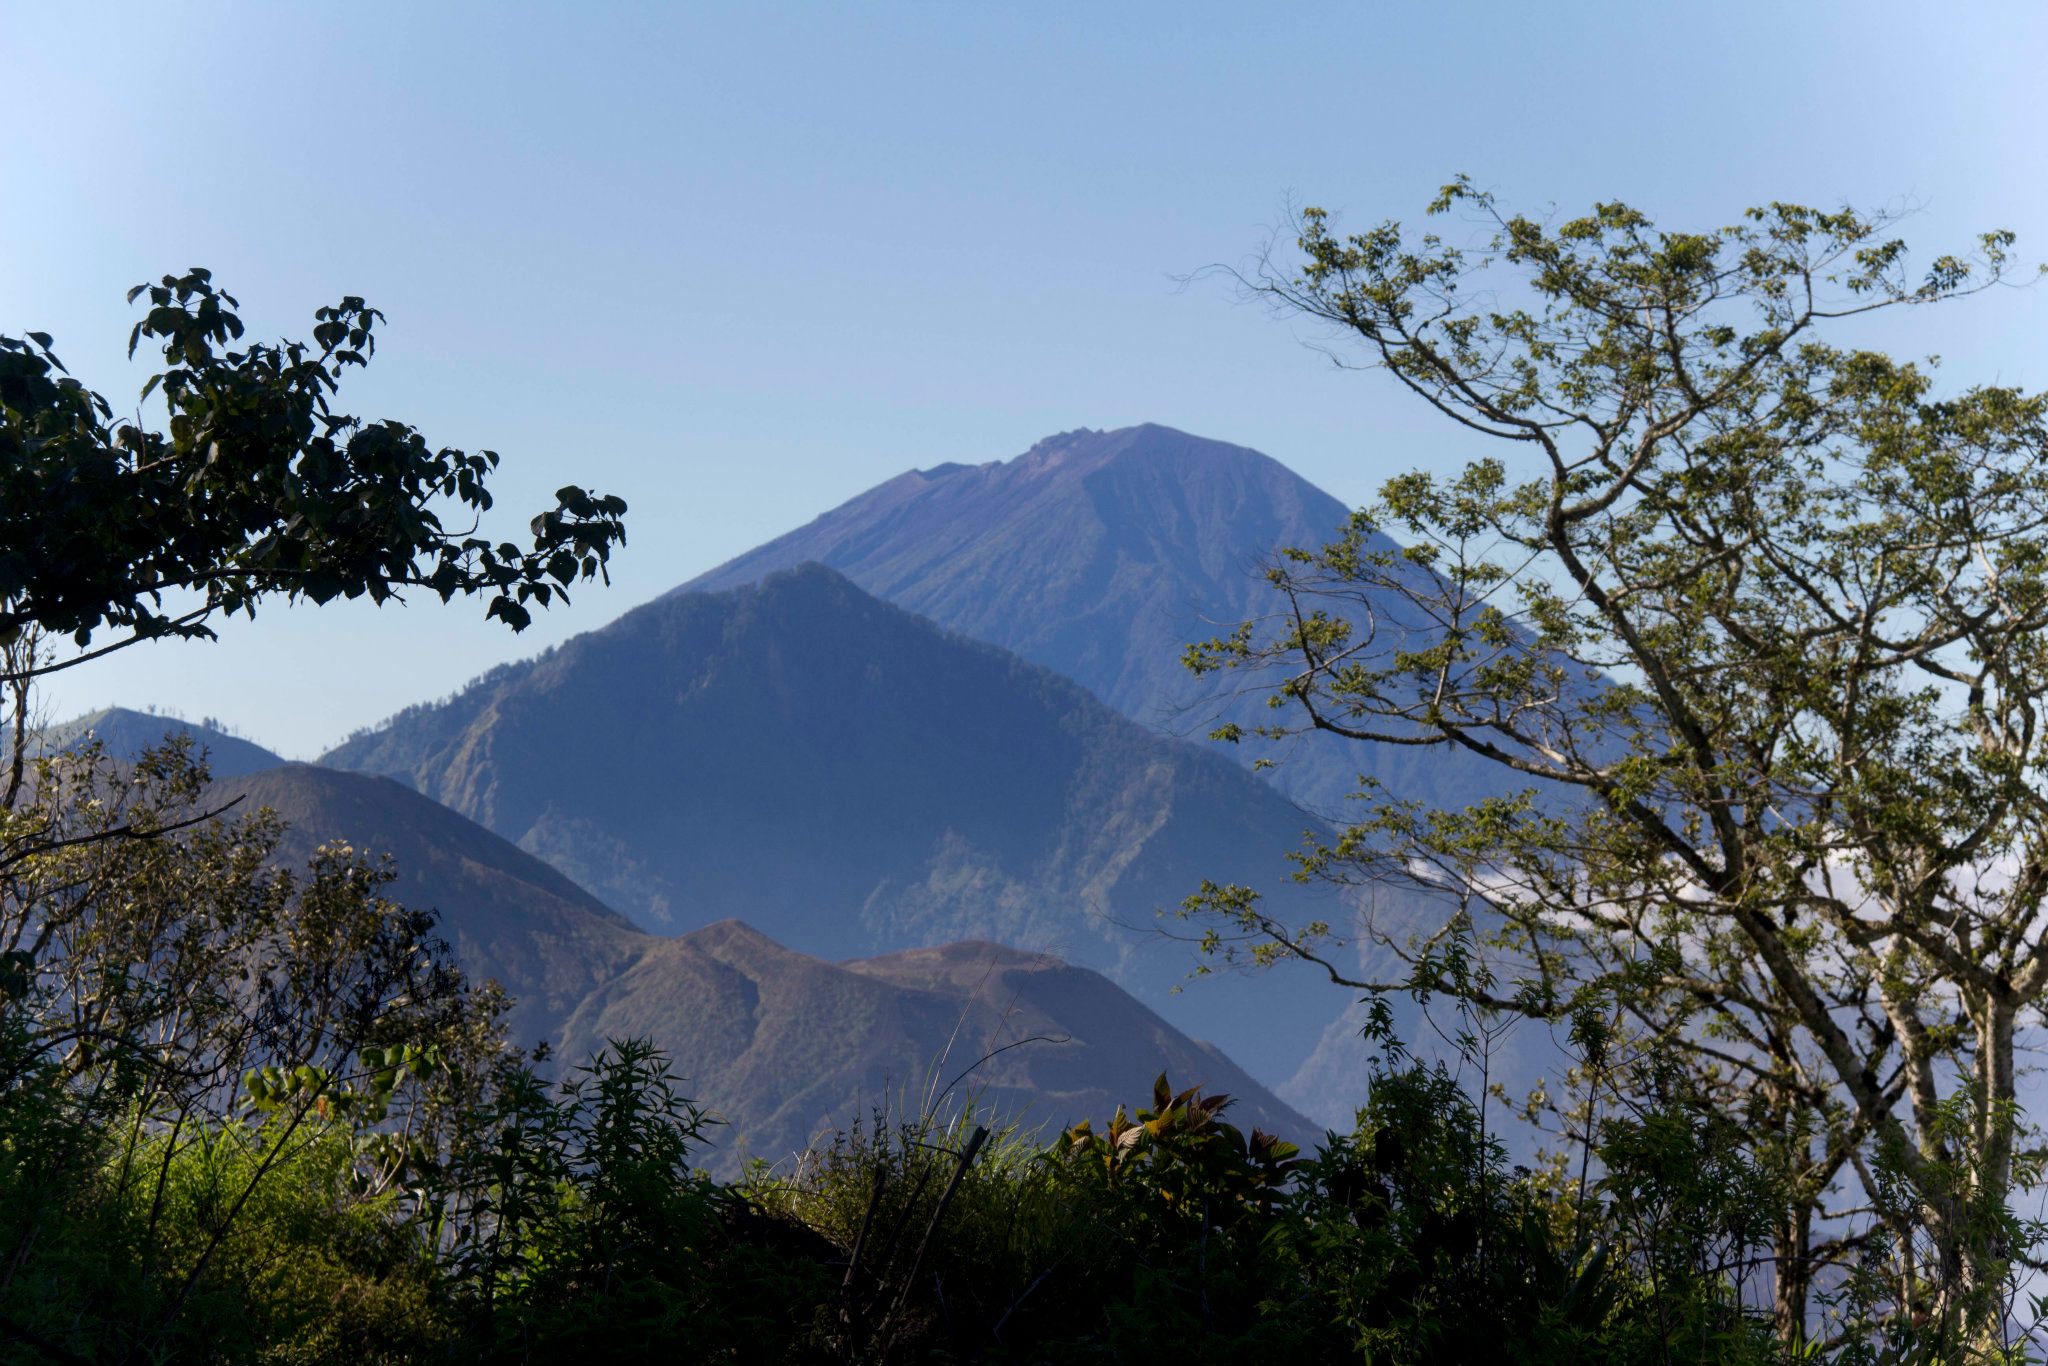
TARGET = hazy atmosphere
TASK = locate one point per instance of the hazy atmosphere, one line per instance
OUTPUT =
(871, 684)
(741, 262)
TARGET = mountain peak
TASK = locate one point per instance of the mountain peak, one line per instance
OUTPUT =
(731, 937)
(855, 779)
(951, 467)
(1152, 491)
(126, 733)
(1098, 554)
(807, 577)
(1092, 448)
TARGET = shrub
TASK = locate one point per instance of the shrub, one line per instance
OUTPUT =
(571, 1224)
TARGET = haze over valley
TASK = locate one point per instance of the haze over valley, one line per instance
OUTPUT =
(921, 783)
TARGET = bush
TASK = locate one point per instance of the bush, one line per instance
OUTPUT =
(570, 1223)
(206, 1243)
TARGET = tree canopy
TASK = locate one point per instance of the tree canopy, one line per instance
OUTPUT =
(258, 487)
(1750, 617)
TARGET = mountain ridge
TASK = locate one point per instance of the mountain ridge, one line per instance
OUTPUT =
(506, 914)
(778, 1043)
(1101, 555)
(126, 732)
(856, 780)
(788, 1047)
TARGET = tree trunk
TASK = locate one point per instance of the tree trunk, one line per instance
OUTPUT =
(1792, 1275)
(1966, 1218)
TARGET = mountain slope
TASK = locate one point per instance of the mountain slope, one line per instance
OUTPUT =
(780, 1044)
(1100, 555)
(853, 780)
(506, 914)
(784, 1045)
(127, 733)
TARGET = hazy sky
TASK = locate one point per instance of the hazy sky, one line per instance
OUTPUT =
(740, 262)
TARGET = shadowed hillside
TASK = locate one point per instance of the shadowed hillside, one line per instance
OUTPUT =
(507, 915)
(785, 1046)
(853, 780)
(779, 1043)
(1101, 555)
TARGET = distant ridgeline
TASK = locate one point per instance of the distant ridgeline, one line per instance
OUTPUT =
(770, 741)
(1101, 555)
(866, 741)
(126, 733)
(853, 780)
(780, 1044)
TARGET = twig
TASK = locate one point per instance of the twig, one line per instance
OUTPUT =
(974, 1142)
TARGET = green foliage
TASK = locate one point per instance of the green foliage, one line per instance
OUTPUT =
(1001, 1247)
(217, 1076)
(569, 1221)
(1749, 620)
(308, 1269)
(258, 487)
(1405, 1241)
(1425, 1249)
(251, 1116)
(558, 1221)
(299, 1266)
(214, 1069)
(1182, 1152)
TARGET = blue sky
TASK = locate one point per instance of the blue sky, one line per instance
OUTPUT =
(739, 262)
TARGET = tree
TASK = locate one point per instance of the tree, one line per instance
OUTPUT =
(257, 488)
(1750, 617)
(173, 1008)
(169, 998)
